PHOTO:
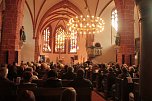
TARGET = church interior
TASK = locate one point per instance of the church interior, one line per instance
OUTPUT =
(74, 50)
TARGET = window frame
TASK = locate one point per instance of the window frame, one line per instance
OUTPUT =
(50, 39)
(54, 38)
(114, 19)
(69, 45)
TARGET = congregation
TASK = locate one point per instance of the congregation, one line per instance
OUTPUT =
(101, 77)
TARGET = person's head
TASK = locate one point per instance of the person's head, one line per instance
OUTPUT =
(80, 73)
(110, 69)
(44, 66)
(30, 69)
(125, 65)
(131, 69)
(15, 63)
(27, 76)
(70, 69)
(124, 70)
(3, 71)
(52, 73)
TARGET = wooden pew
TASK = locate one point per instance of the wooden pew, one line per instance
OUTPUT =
(83, 94)
(105, 86)
(135, 80)
(134, 95)
(99, 85)
(136, 92)
(118, 87)
(65, 83)
(39, 82)
(27, 86)
(54, 94)
(121, 90)
(8, 94)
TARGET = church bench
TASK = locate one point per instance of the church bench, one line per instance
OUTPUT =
(39, 82)
(83, 94)
(136, 92)
(53, 94)
(65, 83)
(122, 90)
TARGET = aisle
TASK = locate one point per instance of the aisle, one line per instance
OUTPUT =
(96, 97)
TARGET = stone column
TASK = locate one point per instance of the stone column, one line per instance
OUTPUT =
(126, 50)
(13, 15)
(145, 10)
(37, 49)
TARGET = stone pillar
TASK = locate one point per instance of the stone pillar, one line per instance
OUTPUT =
(89, 40)
(13, 15)
(1, 17)
(145, 10)
(126, 50)
(37, 50)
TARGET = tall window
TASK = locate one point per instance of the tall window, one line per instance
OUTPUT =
(73, 42)
(46, 40)
(114, 18)
(60, 40)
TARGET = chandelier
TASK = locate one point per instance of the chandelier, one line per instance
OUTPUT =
(86, 24)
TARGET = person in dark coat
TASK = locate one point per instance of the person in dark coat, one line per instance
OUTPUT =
(12, 72)
(80, 81)
(69, 75)
(7, 87)
(111, 78)
(52, 80)
(124, 73)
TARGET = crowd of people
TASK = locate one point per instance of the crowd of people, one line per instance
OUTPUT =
(81, 75)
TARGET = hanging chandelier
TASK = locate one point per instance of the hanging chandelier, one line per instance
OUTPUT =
(86, 24)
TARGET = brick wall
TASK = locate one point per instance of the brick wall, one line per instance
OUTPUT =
(13, 15)
(125, 10)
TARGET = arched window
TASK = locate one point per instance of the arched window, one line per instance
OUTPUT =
(60, 40)
(114, 18)
(73, 42)
(46, 39)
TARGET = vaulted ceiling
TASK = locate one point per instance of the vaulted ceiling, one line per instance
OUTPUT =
(45, 12)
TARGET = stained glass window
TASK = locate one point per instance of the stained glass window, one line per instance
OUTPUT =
(114, 18)
(73, 42)
(60, 40)
(46, 40)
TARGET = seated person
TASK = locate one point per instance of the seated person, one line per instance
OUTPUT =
(80, 81)
(124, 73)
(7, 87)
(131, 71)
(52, 80)
(27, 77)
(126, 76)
(27, 80)
(34, 74)
(111, 77)
(69, 75)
